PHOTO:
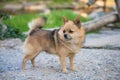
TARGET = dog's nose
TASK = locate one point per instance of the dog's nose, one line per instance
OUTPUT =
(67, 36)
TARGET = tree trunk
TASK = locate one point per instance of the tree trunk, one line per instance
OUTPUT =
(100, 21)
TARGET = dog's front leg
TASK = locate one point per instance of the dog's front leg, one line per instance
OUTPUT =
(63, 63)
(71, 58)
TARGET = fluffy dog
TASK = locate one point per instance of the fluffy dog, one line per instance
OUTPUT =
(64, 42)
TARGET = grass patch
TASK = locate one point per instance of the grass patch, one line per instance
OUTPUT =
(10, 32)
(94, 32)
(54, 19)
(62, 1)
(20, 21)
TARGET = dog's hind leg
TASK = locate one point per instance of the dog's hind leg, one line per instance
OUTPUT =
(33, 61)
(29, 56)
(25, 59)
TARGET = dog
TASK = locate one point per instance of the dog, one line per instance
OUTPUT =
(63, 42)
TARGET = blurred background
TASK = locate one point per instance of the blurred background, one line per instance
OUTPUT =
(15, 14)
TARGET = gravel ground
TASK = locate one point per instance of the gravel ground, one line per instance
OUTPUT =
(109, 39)
(92, 64)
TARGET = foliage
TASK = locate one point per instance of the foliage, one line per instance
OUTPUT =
(18, 24)
(62, 1)
(20, 21)
(4, 15)
(95, 32)
(7, 0)
(10, 32)
(54, 19)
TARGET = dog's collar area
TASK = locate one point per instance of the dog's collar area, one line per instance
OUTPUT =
(62, 42)
(56, 41)
(69, 48)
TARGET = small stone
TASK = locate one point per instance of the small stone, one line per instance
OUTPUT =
(51, 66)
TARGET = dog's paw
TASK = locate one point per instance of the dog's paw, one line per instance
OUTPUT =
(65, 71)
(36, 66)
(74, 69)
(24, 69)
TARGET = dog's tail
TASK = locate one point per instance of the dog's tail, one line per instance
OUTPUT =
(36, 24)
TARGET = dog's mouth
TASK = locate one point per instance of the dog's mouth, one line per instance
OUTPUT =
(67, 37)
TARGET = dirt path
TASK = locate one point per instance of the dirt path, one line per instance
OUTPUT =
(92, 64)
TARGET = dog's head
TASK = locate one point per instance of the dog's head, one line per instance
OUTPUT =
(70, 30)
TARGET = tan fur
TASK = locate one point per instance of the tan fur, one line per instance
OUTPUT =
(44, 40)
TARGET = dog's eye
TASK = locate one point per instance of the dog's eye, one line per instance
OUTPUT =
(71, 31)
(64, 31)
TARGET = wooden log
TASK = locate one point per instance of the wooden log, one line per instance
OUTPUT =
(100, 21)
(117, 2)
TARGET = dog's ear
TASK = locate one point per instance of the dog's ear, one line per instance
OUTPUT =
(77, 21)
(64, 19)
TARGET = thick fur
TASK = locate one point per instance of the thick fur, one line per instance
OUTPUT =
(64, 42)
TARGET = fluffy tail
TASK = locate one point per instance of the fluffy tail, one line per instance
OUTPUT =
(36, 24)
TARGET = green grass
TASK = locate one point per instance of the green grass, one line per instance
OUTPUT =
(54, 19)
(62, 1)
(20, 21)
(94, 32)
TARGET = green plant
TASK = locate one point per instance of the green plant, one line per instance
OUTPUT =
(94, 32)
(55, 18)
(19, 23)
(10, 32)
(7, 0)
(62, 1)
(4, 15)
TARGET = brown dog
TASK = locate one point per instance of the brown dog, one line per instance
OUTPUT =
(64, 42)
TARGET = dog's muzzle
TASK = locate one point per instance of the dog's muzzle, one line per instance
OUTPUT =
(68, 37)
